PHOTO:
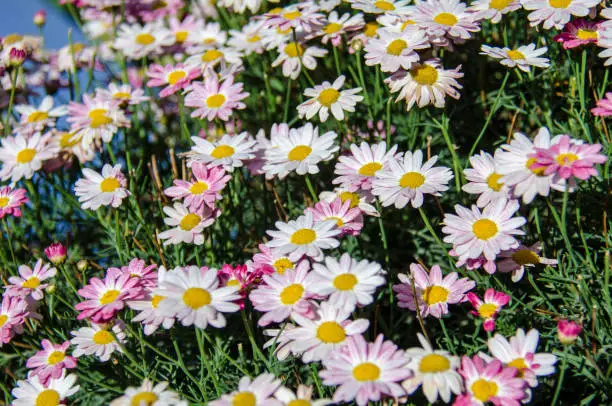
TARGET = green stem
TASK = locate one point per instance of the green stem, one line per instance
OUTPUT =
(287, 99)
(11, 100)
(383, 236)
(451, 148)
(255, 348)
(364, 88)
(204, 359)
(337, 61)
(10, 242)
(313, 194)
(435, 236)
(561, 376)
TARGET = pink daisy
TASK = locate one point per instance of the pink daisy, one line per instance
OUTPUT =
(145, 274)
(357, 170)
(51, 361)
(269, 260)
(348, 220)
(297, 16)
(516, 260)
(488, 308)
(29, 282)
(204, 187)
(433, 292)
(173, 77)
(106, 297)
(244, 276)
(215, 100)
(474, 263)
(366, 371)
(604, 106)
(11, 200)
(578, 32)
(13, 313)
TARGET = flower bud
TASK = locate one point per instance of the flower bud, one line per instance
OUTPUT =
(40, 17)
(56, 253)
(357, 44)
(568, 331)
(17, 57)
(82, 265)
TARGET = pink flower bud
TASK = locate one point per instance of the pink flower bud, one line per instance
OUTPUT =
(56, 253)
(568, 331)
(17, 56)
(40, 17)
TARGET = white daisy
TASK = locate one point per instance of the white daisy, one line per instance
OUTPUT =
(522, 57)
(303, 397)
(484, 181)
(378, 6)
(258, 392)
(98, 340)
(395, 50)
(21, 156)
(293, 54)
(357, 171)
(150, 315)
(445, 20)
(136, 41)
(248, 39)
(556, 13)
(108, 188)
(214, 56)
(96, 119)
(494, 9)
(337, 26)
(54, 392)
(361, 199)
(327, 97)
(229, 151)
(149, 395)
(187, 224)
(240, 6)
(205, 37)
(35, 119)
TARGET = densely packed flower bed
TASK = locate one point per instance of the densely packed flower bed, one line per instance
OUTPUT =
(249, 203)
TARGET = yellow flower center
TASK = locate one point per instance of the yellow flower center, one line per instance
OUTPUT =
(293, 49)
(331, 332)
(282, 264)
(155, 300)
(145, 39)
(370, 29)
(493, 181)
(366, 371)
(233, 282)
(525, 257)
(109, 296)
(586, 34)
(484, 229)
(328, 97)
(4, 201)
(38, 116)
(338, 220)
(487, 310)
(370, 169)
(212, 55)
(215, 101)
(190, 221)
(424, 75)
(254, 38)
(209, 41)
(566, 159)
(515, 55)
(299, 153)
(291, 294)
(406, 24)
(559, 3)
(499, 4)
(11, 39)
(3, 319)
(536, 171)
(198, 188)
(103, 337)
(109, 185)
(411, 180)
(222, 151)
(244, 399)
(484, 390)
(99, 118)
(68, 140)
(175, 76)
(48, 397)
(26, 155)
(446, 19)
(292, 15)
(181, 36)
(332, 28)
(435, 294)
(303, 236)
(345, 281)
(32, 283)
(519, 363)
(196, 298)
(144, 399)
(299, 402)
(56, 357)
(396, 47)
(433, 363)
(384, 5)
(353, 197)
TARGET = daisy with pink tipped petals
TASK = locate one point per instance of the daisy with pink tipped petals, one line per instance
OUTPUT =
(348, 220)
(378, 7)
(304, 16)
(336, 26)
(488, 307)
(445, 20)
(357, 171)
(230, 151)
(280, 296)
(13, 313)
(124, 94)
(328, 97)
(34, 119)
(51, 361)
(99, 340)
(173, 77)
(11, 200)
(517, 260)
(494, 10)
(145, 274)
(30, 281)
(96, 119)
(246, 277)
(579, 32)
(395, 50)
(433, 292)
(202, 189)
(603, 107)
(303, 397)
(257, 392)
(33, 391)
(556, 13)
(347, 283)
(568, 331)
(150, 314)
(187, 225)
(522, 57)
(483, 180)
(21, 156)
(212, 99)
(56, 253)
(490, 382)
(107, 188)
(107, 297)
(136, 41)
(409, 179)
(473, 232)
(269, 260)
(366, 371)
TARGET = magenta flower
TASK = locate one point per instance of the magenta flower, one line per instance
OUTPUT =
(173, 77)
(604, 106)
(11, 200)
(568, 331)
(29, 282)
(13, 313)
(51, 361)
(240, 275)
(203, 189)
(490, 382)
(488, 308)
(348, 220)
(56, 253)
(578, 32)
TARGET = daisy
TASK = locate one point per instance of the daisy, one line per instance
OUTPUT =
(522, 57)
(214, 56)
(378, 7)
(192, 295)
(303, 397)
(395, 50)
(149, 394)
(358, 170)
(360, 198)
(488, 308)
(146, 275)
(304, 236)
(269, 261)
(256, 392)
(280, 342)
(96, 120)
(490, 382)
(29, 282)
(183, 29)
(605, 41)
(348, 220)
(434, 370)
(484, 181)
(246, 277)
(229, 152)
(556, 13)
(365, 371)
(433, 293)
(240, 6)
(207, 36)
(292, 55)
(107, 188)
(520, 352)
(248, 39)
(304, 16)
(493, 9)
(337, 26)
(215, 100)
(21, 156)
(11, 199)
(202, 189)
(473, 232)
(579, 32)
(13, 313)
(33, 392)
(516, 260)
(315, 338)
(445, 20)
(300, 152)
(327, 97)
(136, 41)
(187, 225)
(347, 283)
(99, 340)
(107, 297)
(603, 107)
(173, 77)
(122, 93)
(408, 179)
(150, 315)
(51, 361)
(426, 83)
(35, 119)
(281, 296)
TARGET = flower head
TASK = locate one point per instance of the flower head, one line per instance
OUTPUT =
(56, 253)
(30, 282)
(488, 308)
(107, 188)
(568, 331)
(328, 97)
(11, 200)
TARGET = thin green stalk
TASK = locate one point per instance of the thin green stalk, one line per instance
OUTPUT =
(561, 376)
(435, 236)
(184, 129)
(313, 194)
(443, 126)
(204, 359)
(10, 241)
(225, 355)
(254, 346)
(337, 61)
(287, 99)
(66, 276)
(364, 88)
(179, 359)
(383, 236)
(11, 100)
